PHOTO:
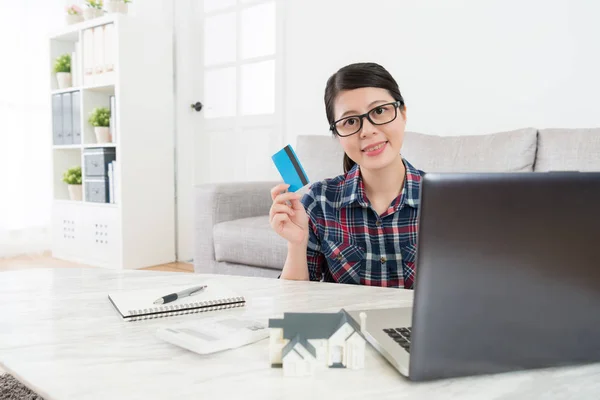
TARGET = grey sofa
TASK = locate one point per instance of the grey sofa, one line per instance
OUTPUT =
(232, 231)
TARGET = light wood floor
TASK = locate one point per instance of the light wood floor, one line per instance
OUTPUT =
(47, 261)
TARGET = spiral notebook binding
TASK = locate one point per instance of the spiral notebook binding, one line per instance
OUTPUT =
(182, 309)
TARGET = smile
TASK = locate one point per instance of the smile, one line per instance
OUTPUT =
(374, 148)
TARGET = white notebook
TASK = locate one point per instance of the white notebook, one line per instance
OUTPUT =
(134, 305)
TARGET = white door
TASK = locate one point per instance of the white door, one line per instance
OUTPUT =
(229, 65)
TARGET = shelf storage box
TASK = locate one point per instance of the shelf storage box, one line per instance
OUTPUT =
(97, 160)
(97, 189)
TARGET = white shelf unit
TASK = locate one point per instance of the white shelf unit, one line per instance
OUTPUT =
(138, 229)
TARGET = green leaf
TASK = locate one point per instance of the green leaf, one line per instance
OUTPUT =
(72, 176)
(62, 63)
(100, 116)
(95, 4)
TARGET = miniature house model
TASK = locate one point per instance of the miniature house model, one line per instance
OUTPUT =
(301, 343)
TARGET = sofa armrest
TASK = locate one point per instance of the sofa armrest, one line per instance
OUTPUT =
(220, 202)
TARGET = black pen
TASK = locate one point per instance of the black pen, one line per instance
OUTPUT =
(184, 293)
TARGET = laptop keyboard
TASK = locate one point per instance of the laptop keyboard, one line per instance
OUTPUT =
(400, 336)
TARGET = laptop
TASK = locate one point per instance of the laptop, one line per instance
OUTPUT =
(508, 277)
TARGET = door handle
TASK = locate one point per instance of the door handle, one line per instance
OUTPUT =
(198, 106)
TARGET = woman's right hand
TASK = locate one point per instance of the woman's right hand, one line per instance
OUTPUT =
(290, 222)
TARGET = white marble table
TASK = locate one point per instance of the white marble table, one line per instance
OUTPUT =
(61, 337)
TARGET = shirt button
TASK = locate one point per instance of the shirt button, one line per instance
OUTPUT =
(338, 257)
(383, 260)
(378, 223)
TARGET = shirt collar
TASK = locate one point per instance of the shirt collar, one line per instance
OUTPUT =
(412, 186)
(353, 189)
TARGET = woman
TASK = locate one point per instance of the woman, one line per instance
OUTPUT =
(359, 227)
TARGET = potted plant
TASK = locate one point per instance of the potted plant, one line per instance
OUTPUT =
(72, 177)
(123, 7)
(117, 6)
(112, 6)
(74, 14)
(99, 119)
(62, 69)
(94, 9)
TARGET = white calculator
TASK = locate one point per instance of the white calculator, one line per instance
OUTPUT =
(208, 336)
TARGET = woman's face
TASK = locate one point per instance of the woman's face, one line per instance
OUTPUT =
(373, 146)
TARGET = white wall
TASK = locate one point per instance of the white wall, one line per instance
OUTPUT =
(463, 67)
(25, 158)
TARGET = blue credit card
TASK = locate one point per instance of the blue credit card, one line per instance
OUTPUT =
(290, 168)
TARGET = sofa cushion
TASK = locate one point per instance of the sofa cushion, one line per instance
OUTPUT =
(249, 241)
(512, 151)
(568, 150)
(322, 155)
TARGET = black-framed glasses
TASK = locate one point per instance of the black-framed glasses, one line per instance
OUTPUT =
(380, 115)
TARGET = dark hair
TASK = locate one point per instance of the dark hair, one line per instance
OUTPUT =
(356, 76)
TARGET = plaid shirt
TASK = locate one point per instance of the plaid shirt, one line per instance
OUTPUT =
(350, 243)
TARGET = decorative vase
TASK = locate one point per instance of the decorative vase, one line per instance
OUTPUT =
(123, 7)
(103, 134)
(63, 79)
(89, 13)
(74, 18)
(99, 12)
(75, 192)
(113, 6)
